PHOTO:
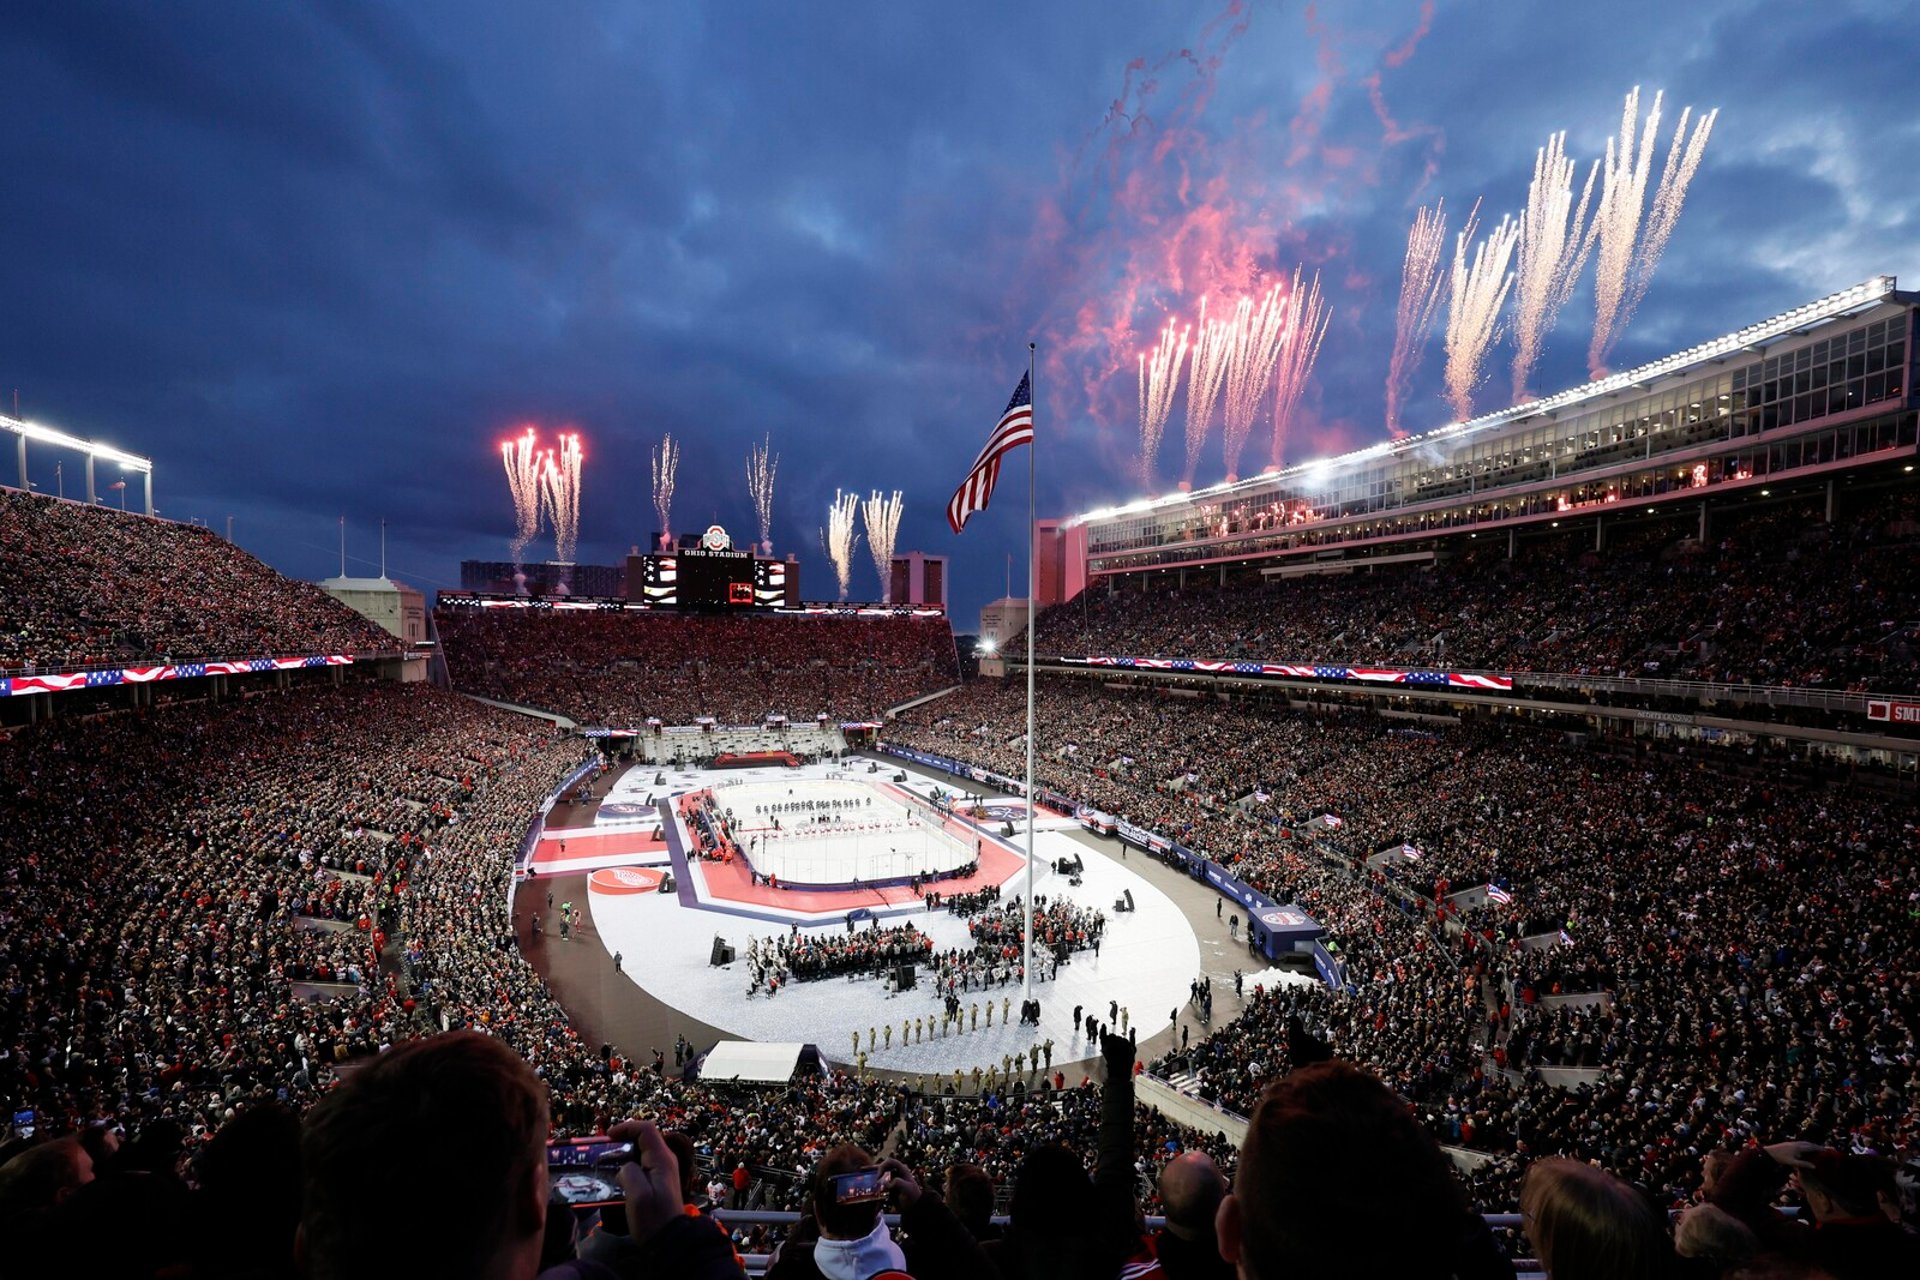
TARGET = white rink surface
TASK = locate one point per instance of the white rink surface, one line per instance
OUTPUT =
(874, 836)
(1146, 960)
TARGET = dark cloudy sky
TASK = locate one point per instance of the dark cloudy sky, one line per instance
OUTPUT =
(319, 258)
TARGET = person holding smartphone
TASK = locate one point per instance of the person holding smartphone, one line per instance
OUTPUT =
(476, 1103)
(845, 1237)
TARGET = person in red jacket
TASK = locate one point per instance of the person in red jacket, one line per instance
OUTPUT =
(741, 1180)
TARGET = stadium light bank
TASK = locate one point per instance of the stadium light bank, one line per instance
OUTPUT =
(25, 431)
(1320, 472)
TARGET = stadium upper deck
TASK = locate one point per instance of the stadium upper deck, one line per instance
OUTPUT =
(1825, 387)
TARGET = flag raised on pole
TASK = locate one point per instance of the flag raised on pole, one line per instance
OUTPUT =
(1014, 429)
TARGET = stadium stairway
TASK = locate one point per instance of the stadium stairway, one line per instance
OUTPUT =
(1186, 1082)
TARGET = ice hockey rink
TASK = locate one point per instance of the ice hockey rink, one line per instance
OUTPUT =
(839, 831)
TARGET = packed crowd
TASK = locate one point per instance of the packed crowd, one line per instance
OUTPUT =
(1774, 597)
(813, 956)
(211, 914)
(620, 668)
(1060, 927)
(1334, 1176)
(967, 904)
(175, 884)
(165, 977)
(1758, 942)
(83, 586)
(996, 1130)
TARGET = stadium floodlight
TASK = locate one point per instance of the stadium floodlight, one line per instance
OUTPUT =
(48, 435)
(986, 644)
(92, 450)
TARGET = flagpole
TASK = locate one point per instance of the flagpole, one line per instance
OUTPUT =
(1033, 578)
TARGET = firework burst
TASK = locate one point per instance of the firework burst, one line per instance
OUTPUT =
(1209, 356)
(666, 464)
(1423, 286)
(842, 535)
(1159, 376)
(522, 458)
(1306, 327)
(882, 516)
(1629, 252)
(1554, 243)
(1473, 319)
(762, 462)
(560, 490)
(1260, 336)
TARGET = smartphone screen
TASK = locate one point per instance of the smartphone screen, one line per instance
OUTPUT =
(858, 1188)
(585, 1173)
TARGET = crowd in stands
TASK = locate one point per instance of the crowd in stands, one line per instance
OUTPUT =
(619, 668)
(996, 1130)
(229, 933)
(171, 881)
(1757, 941)
(1334, 1176)
(88, 586)
(1775, 596)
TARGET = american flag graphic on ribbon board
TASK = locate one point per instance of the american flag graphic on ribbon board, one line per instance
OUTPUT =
(1014, 429)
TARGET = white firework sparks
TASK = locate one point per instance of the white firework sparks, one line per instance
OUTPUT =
(1554, 243)
(560, 485)
(1159, 376)
(1479, 291)
(666, 464)
(842, 535)
(1207, 371)
(1260, 335)
(522, 458)
(1422, 288)
(882, 516)
(762, 463)
(1306, 327)
(1628, 255)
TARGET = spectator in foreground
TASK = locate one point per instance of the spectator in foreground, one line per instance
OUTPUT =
(1711, 1242)
(970, 1196)
(249, 1197)
(851, 1241)
(430, 1162)
(1063, 1225)
(1586, 1224)
(41, 1177)
(1855, 1233)
(1191, 1189)
(1338, 1178)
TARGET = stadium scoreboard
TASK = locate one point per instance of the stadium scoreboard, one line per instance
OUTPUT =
(713, 577)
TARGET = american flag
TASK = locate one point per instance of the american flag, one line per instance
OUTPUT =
(1014, 429)
(1499, 895)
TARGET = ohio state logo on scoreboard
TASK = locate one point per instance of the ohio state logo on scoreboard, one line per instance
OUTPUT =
(1893, 712)
(716, 539)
